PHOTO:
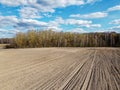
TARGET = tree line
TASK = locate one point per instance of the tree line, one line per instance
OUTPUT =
(50, 38)
(5, 40)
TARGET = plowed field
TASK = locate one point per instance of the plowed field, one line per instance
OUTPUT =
(60, 69)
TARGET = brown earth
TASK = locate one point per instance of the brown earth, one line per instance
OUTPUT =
(2, 46)
(60, 69)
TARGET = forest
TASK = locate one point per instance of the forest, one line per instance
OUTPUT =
(6, 40)
(49, 38)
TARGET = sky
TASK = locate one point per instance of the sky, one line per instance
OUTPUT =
(82, 16)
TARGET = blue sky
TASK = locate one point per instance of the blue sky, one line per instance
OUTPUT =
(59, 15)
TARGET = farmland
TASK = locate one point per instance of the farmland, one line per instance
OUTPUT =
(60, 69)
(2, 45)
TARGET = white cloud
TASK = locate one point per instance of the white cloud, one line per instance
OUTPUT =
(81, 23)
(12, 18)
(55, 24)
(8, 20)
(117, 21)
(52, 3)
(92, 1)
(33, 22)
(4, 31)
(33, 8)
(23, 24)
(89, 1)
(90, 15)
(117, 7)
(47, 15)
(43, 5)
(28, 12)
(49, 6)
(93, 26)
(29, 24)
(16, 2)
(43, 8)
(54, 28)
(77, 22)
(112, 29)
(77, 30)
(64, 3)
(20, 24)
(95, 14)
(58, 21)
(115, 28)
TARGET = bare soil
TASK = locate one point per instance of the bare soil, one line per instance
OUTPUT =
(60, 69)
(2, 46)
